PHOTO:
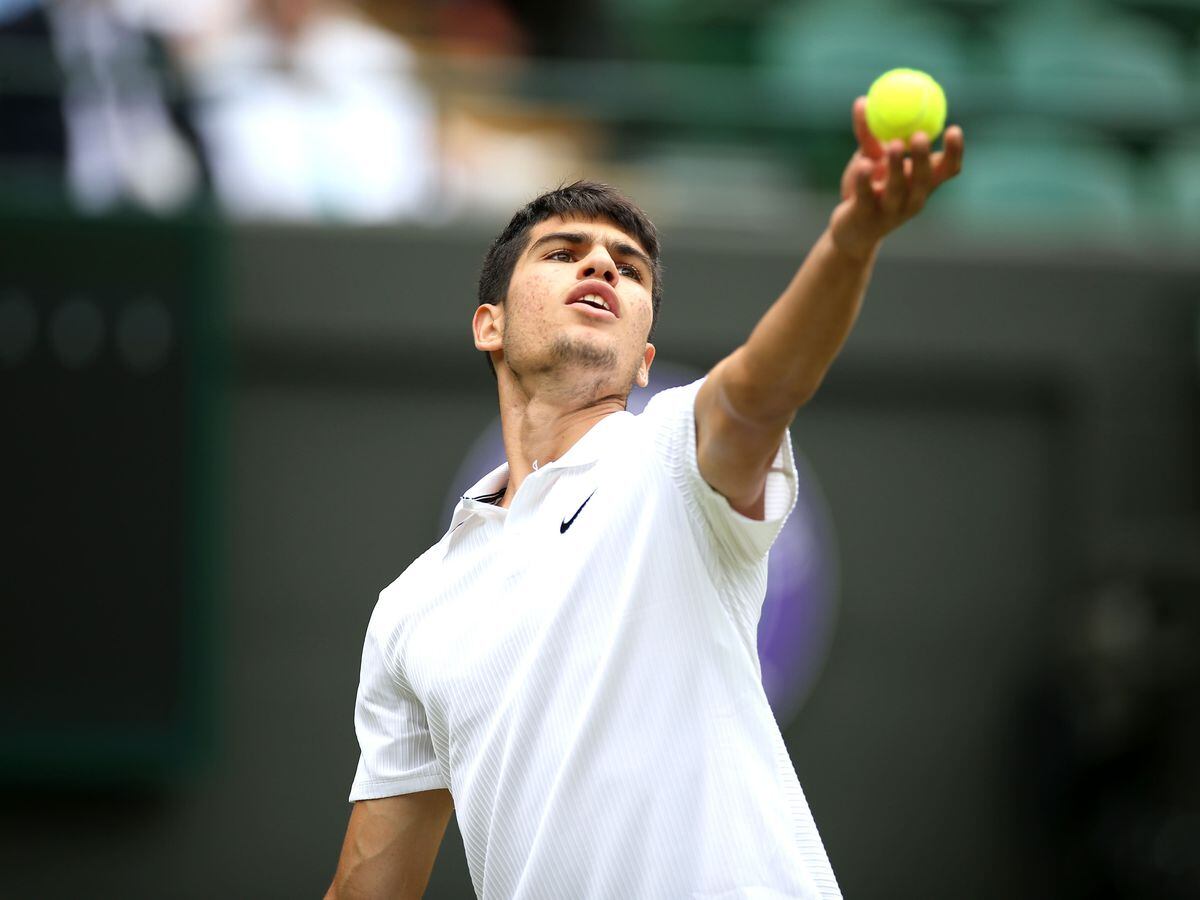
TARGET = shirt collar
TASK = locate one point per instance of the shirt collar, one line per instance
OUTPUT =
(589, 448)
(584, 452)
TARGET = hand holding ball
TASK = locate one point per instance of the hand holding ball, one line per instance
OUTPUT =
(882, 187)
(902, 102)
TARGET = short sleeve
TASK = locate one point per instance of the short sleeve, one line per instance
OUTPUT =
(738, 540)
(396, 751)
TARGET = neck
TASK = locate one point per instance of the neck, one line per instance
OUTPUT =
(542, 424)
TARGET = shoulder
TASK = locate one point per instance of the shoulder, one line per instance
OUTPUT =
(667, 419)
(672, 401)
(668, 422)
(401, 599)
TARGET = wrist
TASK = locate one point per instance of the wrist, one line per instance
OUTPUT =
(849, 249)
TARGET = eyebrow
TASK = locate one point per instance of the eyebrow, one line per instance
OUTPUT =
(619, 248)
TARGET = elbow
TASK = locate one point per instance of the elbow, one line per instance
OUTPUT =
(803, 386)
(779, 403)
(802, 394)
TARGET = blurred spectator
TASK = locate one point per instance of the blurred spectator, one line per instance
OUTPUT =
(500, 142)
(479, 28)
(96, 103)
(308, 110)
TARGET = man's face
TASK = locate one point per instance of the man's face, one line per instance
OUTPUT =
(554, 317)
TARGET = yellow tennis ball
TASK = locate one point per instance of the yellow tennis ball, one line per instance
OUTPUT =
(904, 101)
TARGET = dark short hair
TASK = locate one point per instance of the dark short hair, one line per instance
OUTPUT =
(581, 200)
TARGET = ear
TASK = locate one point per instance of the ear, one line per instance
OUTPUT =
(643, 372)
(488, 327)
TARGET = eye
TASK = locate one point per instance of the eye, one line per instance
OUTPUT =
(565, 255)
(632, 272)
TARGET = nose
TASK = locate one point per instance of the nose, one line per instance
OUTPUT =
(598, 264)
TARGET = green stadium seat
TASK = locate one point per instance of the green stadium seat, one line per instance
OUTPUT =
(1181, 16)
(1039, 179)
(705, 32)
(1118, 73)
(971, 11)
(817, 58)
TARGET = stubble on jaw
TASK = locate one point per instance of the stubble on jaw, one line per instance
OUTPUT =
(531, 350)
(566, 353)
(587, 356)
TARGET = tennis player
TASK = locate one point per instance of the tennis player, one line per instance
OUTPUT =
(572, 669)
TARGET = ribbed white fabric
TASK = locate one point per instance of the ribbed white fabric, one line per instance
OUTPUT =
(592, 697)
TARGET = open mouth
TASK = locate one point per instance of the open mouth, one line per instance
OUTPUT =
(595, 301)
(595, 298)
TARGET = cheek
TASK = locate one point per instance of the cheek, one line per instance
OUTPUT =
(645, 314)
(536, 294)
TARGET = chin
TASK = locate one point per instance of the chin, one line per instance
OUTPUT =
(573, 351)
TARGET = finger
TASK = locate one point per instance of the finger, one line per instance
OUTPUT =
(879, 171)
(948, 163)
(871, 147)
(896, 187)
(850, 173)
(864, 194)
(922, 173)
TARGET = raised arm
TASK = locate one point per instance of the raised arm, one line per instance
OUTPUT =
(750, 397)
(390, 846)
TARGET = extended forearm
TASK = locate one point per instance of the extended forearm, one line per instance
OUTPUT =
(785, 359)
(750, 398)
(795, 342)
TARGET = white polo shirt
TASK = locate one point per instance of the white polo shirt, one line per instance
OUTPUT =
(581, 671)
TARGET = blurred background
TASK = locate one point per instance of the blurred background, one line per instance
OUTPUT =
(238, 247)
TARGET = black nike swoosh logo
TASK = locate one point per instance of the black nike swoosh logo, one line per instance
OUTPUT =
(562, 529)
